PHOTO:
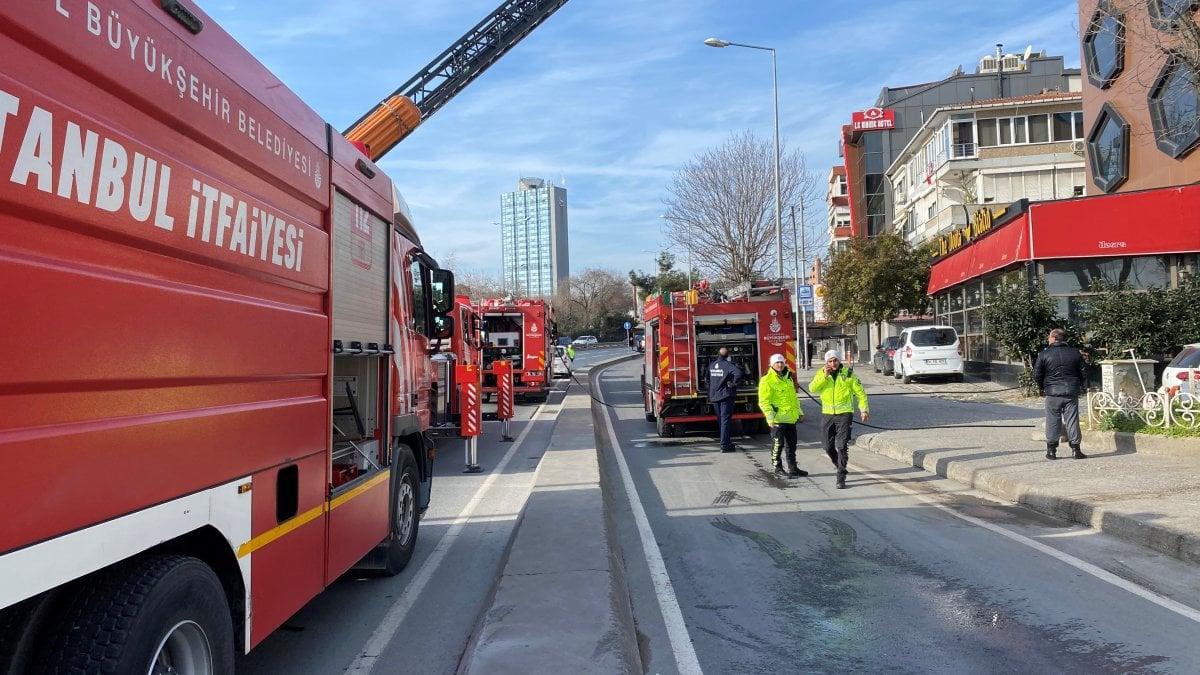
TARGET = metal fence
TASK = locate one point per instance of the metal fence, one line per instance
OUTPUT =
(1156, 409)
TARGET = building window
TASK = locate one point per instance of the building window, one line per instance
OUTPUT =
(1174, 106)
(1039, 128)
(1104, 45)
(1108, 146)
(1165, 13)
(1068, 126)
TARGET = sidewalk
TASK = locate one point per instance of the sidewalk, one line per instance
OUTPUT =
(1146, 491)
(560, 604)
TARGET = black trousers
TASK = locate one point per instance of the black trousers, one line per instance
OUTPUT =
(835, 437)
(783, 435)
(724, 410)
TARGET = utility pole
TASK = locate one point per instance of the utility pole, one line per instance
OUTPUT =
(799, 263)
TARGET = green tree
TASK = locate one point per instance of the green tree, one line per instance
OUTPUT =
(875, 280)
(666, 278)
(1151, 323)
(1020, 318)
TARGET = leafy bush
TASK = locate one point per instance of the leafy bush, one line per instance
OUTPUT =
(1116, 421)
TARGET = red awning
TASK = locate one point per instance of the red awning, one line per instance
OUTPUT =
(1001, 247)
(1152, 222)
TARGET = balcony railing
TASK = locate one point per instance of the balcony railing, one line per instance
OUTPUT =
(962, 151)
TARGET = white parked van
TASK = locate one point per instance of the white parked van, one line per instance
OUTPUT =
(926, 351)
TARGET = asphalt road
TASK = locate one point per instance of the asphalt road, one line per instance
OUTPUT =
(899, 573)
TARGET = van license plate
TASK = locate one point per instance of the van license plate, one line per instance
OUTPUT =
(936, 362)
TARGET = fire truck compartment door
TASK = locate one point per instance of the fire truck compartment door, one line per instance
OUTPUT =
(360, 273)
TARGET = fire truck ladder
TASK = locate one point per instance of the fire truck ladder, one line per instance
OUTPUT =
(683, 347)
(453, 70)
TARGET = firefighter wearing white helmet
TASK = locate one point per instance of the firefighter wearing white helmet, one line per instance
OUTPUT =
(779, 404)
(839, 387)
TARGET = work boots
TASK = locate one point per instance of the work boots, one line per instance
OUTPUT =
(796, 471)
(1052, 451)
(779, 470)
(1076, 453)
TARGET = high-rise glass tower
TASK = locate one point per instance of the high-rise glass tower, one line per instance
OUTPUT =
(533, 234)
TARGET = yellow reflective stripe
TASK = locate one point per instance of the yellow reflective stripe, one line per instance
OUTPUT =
(308, 516)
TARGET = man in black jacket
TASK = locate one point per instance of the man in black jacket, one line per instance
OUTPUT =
(723, 379)
(1060, 374)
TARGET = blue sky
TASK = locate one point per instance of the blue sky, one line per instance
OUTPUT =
(611, 97)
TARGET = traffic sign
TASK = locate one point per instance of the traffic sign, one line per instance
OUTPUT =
(804, 295)
(628, 325)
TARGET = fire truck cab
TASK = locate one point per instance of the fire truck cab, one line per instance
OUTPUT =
(684, 331)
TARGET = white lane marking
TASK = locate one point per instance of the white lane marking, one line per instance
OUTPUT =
(1098, 572)
(390, 624)
(681, 641)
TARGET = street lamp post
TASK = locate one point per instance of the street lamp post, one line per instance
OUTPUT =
(800, 263)
(689, 248)
(714, 42)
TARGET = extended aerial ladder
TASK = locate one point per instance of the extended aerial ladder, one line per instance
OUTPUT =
(416, 100)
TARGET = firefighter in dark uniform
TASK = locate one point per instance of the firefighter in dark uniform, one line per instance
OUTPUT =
(723, 379)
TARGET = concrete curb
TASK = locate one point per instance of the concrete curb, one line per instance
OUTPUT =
(1133, 525)
(561, 603)
(1124, 442)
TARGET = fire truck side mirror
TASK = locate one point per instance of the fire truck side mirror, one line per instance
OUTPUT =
(442, 282)
(443, 327)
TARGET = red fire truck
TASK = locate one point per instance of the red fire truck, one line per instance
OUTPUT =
(523, 332)
(215, 372)
(464, 347)
(684, 330)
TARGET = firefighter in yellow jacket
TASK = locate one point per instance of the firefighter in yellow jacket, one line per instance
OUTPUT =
(839, 388)
(778, 401)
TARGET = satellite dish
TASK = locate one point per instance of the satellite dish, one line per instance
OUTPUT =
(1028, 52)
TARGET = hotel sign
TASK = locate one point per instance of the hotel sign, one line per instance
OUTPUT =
(874, 119)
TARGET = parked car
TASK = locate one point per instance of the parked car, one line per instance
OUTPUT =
(922, 351)
(884, 354)
(1184, 370)
(585, 341)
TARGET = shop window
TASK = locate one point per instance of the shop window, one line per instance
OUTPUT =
(974, 294)
(1174, 105)
(1165, 13)
(1108, 146)
(1104, 45)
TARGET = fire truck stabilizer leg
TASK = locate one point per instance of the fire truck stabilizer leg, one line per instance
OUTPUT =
(473, 456)
(505, 433)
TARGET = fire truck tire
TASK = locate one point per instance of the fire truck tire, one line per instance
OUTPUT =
(666, 430)
(405, 520)
(165, 613)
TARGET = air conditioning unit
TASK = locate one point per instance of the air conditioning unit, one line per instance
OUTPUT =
(1078, 147)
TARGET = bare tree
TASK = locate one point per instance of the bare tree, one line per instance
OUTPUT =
(593, 301)
(477, 285)
(722, 208)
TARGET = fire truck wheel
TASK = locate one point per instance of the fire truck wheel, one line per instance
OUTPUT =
(666, 430)
(161, 614)
(405, 521)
